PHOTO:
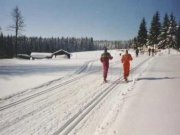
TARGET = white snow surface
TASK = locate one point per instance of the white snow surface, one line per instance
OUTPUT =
(67, 96)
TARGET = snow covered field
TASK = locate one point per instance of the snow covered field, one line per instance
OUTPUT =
(67, 96)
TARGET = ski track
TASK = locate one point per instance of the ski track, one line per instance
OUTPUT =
(48, 108)
(93, 121)
(19, 110)
(45, 85)
(107, 105)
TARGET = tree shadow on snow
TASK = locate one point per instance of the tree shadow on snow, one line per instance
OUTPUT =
(157, 78)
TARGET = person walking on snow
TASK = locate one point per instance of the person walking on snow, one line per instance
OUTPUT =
(149, 50)
(126, 58)
(137, 52)
(105, 57)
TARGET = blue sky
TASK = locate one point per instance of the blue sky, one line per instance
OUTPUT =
(100, 19)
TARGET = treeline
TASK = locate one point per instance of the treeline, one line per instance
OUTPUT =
(10, 46)
(26, 45)
(165, 34)
(100, 44)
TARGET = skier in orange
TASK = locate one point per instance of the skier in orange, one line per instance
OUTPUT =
(105, 57)
(126, 58)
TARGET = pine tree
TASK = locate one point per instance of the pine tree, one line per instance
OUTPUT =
(135, 43)
(2, 46)
(9, 46)
(173, 21)
(1, 43)
(171, 33)
(178, 35)
(163, 36)
(142, 34)
(154, 30)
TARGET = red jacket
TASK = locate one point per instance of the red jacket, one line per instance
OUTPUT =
(105, 57)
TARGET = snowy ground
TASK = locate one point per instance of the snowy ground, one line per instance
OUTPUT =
(62, 96)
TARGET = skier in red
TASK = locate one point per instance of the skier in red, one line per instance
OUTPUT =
(126, 58)
(105, 57)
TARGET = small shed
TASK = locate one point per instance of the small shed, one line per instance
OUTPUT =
(62, 52)
(41, 55)
(23, 56)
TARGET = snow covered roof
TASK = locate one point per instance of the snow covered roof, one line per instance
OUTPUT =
(23, 56)
(60, 52)
(41, 55)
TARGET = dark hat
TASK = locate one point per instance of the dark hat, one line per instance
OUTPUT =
(105, 49)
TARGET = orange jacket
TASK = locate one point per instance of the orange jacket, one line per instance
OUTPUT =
(126, 58)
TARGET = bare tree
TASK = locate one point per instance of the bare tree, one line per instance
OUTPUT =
(18, 25)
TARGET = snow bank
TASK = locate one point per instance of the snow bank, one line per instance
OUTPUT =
(148, 104)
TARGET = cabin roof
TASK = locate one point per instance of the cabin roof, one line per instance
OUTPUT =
(60, 52)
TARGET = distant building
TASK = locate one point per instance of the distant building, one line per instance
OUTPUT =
(44, 55)
(62, 52)
(41, 55)
(23, 56)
